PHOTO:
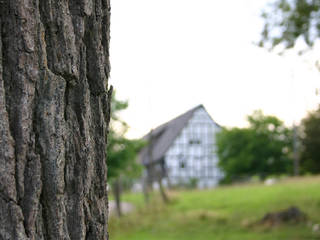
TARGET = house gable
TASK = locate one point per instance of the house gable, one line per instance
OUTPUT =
(192, 154)
(161, 138)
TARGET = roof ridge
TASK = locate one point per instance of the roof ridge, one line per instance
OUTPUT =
(179, 116)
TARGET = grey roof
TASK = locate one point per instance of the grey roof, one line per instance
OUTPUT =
(160, 139)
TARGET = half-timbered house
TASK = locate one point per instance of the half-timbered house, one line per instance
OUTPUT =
(182, 151)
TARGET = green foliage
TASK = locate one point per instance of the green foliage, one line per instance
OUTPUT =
(310, 155)
(262, 149)
(121, 152)
(225, 213)
(287, 20)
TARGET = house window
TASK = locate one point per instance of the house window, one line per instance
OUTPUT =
(182, 164)
(182, 159)
(194, 142)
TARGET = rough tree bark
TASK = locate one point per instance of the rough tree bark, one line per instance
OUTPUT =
(54, 115)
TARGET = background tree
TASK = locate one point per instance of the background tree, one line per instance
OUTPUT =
(310, 141)
(122, 152)
(287, 20)
(54, 115)
(261, 149)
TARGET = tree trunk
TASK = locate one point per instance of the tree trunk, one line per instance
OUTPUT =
(164, 196)
(54, 115)
(296, 160)
(117, 193)
(146, 189)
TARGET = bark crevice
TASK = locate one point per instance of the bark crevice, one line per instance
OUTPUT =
(7, 199)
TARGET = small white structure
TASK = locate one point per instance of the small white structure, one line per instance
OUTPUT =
(182, 151)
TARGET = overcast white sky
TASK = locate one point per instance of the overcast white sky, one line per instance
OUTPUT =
(168, 56)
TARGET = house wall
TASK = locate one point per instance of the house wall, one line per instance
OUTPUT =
(193, 153)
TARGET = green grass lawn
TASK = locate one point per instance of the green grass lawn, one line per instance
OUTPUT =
(225, 213)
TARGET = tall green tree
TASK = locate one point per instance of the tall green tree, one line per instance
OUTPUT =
(310, 141)
(263, 148)
(122, 152)
(287, 20)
